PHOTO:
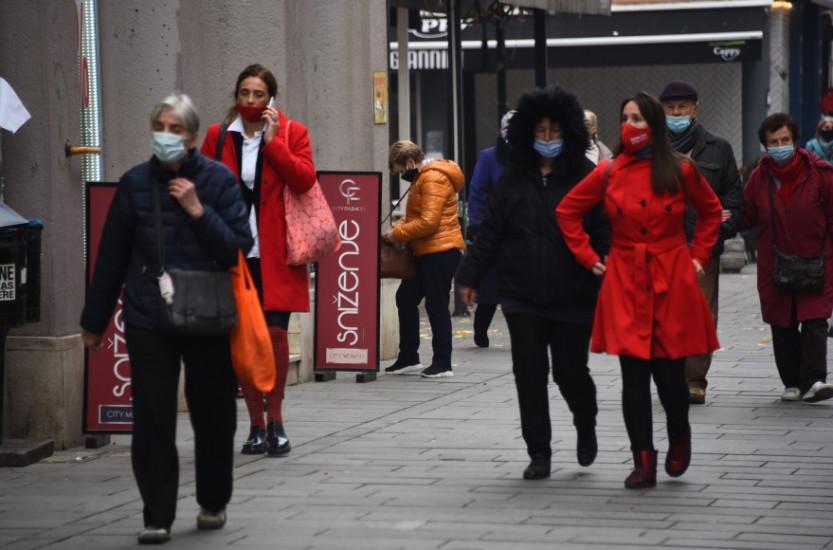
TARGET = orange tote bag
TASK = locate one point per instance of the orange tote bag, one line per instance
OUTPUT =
(251, 346)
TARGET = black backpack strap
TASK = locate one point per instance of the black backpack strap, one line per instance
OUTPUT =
(221, 141)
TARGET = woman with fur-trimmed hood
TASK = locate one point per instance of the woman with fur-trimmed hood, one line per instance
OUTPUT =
(547, 297)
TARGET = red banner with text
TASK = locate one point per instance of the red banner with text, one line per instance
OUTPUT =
(347, 282)
(108, 405)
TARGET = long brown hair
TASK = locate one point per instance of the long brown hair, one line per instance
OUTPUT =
(260, 72)
(666, 170)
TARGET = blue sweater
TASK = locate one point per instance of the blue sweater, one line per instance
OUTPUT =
(487, 172)
(128, 252)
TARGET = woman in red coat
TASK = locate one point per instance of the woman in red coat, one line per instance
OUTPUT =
(798, 187)
(267, 152)
(650, 310)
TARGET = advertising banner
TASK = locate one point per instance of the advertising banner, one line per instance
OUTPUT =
(347, 282)
(108, 404)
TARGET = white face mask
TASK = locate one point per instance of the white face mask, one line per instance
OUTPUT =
(167, 147)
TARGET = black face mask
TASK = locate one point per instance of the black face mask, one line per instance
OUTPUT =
(410, 174)
(826, 135)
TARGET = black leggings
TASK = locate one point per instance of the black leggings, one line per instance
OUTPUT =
(669, 376)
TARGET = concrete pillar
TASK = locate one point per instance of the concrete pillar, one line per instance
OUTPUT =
(39, 58)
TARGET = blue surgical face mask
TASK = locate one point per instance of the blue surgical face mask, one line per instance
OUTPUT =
(549, 149)
(781, 155)
(678, 124)
(168, 147)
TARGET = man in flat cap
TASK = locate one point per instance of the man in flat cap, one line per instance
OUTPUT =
(716, 160)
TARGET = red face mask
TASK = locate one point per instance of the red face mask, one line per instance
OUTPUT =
(250, 114)
(634, 139)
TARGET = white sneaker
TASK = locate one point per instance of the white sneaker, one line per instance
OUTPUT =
(211, 520)
(791, 394)
(154, 535)
(818, 392)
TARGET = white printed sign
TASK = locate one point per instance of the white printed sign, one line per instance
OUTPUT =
(7, 280)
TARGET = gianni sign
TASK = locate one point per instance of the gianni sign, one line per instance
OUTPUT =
(347, 282)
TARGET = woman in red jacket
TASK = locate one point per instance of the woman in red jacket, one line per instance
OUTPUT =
(789, 199)
(650, 310)
(267, 152)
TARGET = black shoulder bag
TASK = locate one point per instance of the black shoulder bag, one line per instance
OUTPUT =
(192, 301)
(792, 272)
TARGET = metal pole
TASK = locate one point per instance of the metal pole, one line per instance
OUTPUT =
(403, 80)
(540, 48)
(500, 70)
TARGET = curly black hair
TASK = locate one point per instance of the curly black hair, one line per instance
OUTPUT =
(559, 106)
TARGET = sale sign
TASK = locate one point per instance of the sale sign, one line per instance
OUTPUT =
(108, 406)
(347, 282)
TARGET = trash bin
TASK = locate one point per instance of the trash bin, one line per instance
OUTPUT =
(19, 279)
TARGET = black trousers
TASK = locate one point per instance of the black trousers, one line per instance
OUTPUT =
(532, 337)
(669, 376)
(483, 316)
(801, 353)
(210, 389)
(432, 282)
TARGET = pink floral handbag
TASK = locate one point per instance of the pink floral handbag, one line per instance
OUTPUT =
(311, 231)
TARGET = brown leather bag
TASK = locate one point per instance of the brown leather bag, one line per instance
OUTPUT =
(396, 260)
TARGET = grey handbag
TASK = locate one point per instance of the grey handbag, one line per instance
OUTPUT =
(192, 301)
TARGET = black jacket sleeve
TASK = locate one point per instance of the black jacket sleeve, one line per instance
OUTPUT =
(482, 254)
(111, 265)
(730, 194)
(224, 227)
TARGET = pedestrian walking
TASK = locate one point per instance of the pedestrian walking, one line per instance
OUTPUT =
(267, 152)
(789, 199)
(189, 207)
(822, 144)
(716, 161)
(431, 228)
(597, 151)
(486, 174)
(546, 295)
(650, 310)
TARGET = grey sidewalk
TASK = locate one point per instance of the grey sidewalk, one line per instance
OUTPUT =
(407, 463)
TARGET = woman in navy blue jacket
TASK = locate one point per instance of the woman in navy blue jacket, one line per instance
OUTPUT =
(204, 223)
(487, 172)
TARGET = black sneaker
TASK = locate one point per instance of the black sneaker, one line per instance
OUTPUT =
(402, 367)
(586, 446)
(435, 371)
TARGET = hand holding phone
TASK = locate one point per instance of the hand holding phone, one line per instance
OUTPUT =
(272, 120)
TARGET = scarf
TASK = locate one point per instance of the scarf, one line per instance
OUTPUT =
(790, 176)
(684, 142)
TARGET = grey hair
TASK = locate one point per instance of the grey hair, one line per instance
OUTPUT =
(183, 107)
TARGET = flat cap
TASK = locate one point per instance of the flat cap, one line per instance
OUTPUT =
(678, 89)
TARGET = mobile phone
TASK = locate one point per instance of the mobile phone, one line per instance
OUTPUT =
(271, 103)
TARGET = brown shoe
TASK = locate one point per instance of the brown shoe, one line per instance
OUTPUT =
(696, 396)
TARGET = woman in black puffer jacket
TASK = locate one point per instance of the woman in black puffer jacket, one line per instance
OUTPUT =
(547, 297)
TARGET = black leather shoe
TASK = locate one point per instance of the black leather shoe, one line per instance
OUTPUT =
(277, 444)
(539, 468)
(255, 445)
(586, 447)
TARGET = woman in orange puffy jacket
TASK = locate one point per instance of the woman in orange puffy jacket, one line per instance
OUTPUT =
(432, 229)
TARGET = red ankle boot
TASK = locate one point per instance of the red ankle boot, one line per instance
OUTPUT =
(679, 455)
(644, 472)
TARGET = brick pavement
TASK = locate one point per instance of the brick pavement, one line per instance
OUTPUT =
(407, 463)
